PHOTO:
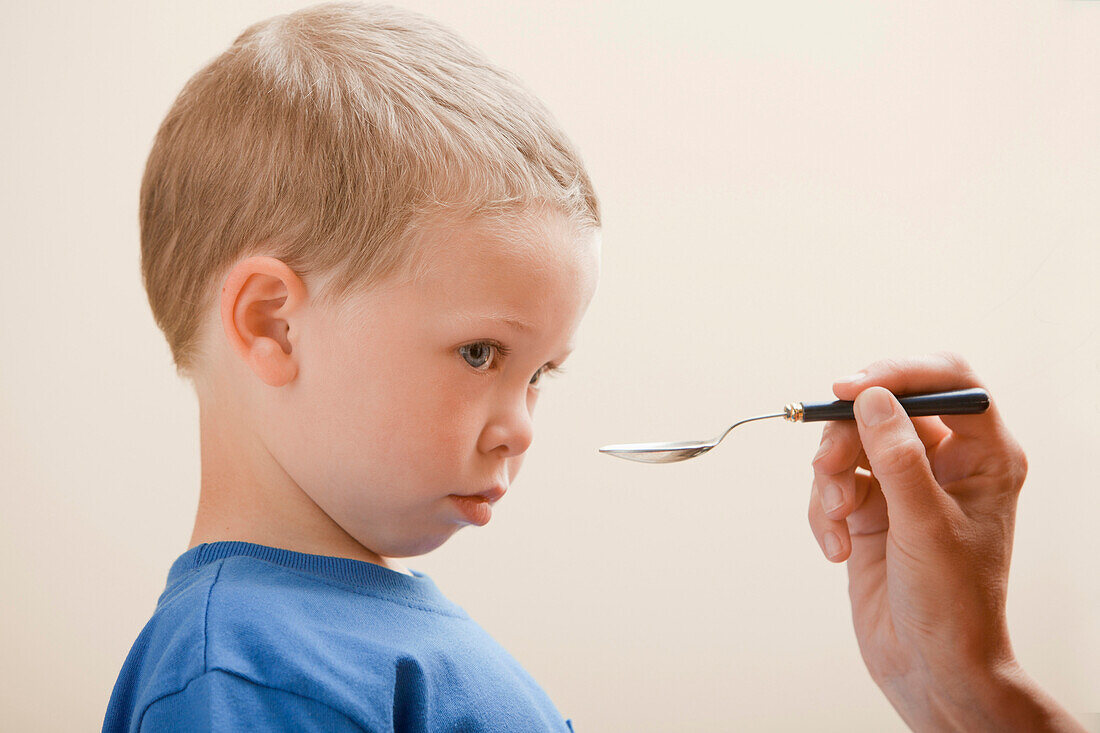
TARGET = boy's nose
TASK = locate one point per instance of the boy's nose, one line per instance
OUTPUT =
(511, 427)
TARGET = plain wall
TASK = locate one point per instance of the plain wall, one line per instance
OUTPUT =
(790, 191)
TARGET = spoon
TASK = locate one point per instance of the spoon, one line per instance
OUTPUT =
(958, 402)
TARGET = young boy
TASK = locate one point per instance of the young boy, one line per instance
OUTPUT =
(366, 246)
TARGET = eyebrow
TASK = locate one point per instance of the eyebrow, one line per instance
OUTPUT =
(507, 320)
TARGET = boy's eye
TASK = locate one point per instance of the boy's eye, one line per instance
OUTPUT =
(479, 352)
(479, 356)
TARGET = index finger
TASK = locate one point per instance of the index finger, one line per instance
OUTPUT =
(940, 372)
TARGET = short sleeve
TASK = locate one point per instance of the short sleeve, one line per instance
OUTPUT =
(221, 701)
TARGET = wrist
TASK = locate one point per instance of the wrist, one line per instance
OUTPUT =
(1000, 698)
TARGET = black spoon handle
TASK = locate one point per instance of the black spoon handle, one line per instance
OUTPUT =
(959, 402)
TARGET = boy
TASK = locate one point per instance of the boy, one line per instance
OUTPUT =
(366, 246)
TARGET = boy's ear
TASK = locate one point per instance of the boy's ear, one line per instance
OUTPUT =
(259, 295)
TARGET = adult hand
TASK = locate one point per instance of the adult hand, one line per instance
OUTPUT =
(923, 510)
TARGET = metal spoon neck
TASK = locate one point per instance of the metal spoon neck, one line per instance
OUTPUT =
(751, 419)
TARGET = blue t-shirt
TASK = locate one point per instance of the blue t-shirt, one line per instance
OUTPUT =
(250, 637)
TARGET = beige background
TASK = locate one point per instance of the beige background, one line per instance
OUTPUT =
(790, 191)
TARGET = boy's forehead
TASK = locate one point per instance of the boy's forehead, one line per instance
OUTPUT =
(524, 277)
(527, 281)
(526, 245)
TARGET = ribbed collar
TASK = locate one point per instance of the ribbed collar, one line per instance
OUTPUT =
(367, 576)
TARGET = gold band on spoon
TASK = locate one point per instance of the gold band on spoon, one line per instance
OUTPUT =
(793, 411)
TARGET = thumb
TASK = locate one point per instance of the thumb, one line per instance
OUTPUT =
(899, 461)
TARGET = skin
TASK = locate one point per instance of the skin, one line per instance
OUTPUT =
(923, 512)
(343, 431)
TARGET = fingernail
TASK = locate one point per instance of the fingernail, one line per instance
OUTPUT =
(825, 446)
(857, 377)
(832, 498)
(832, 544)
(875, 405)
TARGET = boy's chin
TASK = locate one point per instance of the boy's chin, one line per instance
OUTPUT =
(413, 546)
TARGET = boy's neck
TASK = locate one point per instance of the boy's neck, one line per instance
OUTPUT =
(246, 496)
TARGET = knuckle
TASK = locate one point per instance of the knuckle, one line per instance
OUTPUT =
(1017, 466)
(814, 512)
(956, 361)
(899, 456)
(1008, 463)
(829, 447)
(888, 365)
(941, 532)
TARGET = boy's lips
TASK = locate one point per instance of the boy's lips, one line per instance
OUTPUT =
(477, 509)
(491, 495)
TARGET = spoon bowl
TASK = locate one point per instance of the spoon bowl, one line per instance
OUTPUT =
(675, 451)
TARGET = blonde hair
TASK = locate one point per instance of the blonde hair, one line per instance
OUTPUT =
(325, 138)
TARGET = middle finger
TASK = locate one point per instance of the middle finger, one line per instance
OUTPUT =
(834, 468)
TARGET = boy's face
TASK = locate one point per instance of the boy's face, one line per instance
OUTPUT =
(402, 397)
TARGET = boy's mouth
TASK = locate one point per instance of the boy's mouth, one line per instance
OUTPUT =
(491, 495)
(475, 508)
